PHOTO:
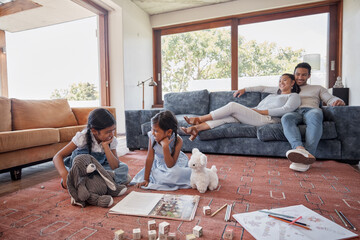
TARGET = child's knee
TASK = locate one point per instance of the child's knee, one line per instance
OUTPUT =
(123, 167)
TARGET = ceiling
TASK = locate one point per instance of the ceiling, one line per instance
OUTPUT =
(50, 12)
(153, 7)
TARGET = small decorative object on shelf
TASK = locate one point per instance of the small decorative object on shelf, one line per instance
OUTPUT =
(338, 83)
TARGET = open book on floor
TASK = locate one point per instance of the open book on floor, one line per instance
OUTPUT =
(261, 225)
(157, 205)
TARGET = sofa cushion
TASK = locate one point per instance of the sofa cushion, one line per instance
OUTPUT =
(229, 130)
(194, 102)
(67, 133)
(274, 132)
(220, 99)
(29, 114)
(14, 140)
(5, 114)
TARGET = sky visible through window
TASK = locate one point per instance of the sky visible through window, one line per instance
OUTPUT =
(54, 57)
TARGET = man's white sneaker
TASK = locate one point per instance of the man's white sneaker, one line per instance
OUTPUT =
(300, 167)
(300, 156)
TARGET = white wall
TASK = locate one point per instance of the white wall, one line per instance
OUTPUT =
(351, 52)
(138, 63)
(130, 50)
(116, 67)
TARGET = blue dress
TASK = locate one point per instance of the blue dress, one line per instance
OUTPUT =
(162, 177)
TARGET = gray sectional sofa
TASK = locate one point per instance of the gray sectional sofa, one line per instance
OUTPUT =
(340, 139)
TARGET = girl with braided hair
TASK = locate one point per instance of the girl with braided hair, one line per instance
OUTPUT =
(166, 167)
(98, 140)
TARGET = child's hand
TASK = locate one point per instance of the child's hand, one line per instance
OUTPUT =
(63, 182)
(166, 141)
(145, 183)
(106, 143)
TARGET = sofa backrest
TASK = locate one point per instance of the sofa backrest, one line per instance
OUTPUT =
(5, 114)
(220, 99)
(28, 114)
(193, 102)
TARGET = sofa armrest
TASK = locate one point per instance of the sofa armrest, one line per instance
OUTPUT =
(82, 113)
(347, 122)
(133, 121)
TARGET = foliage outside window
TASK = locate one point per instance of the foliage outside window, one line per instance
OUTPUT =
(192, 56)
(77, 92)
(202, 60)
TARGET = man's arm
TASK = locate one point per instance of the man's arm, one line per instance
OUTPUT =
(240, 92)
(329, 99)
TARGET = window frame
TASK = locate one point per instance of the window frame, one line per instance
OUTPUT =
(334, 8)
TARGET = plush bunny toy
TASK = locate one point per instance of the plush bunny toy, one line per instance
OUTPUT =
(88, 182)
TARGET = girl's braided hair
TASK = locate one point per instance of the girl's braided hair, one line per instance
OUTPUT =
(166, 120)
(98, 119)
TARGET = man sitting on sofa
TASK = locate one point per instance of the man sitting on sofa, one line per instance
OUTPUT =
(309, 113)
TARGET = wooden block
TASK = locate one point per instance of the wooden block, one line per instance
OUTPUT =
(171, 236)
(229, 233)
(119, 235)
(206, 210)
(163, 236)
(198, 231)
(136, 233)
(164, 228)
(151, 225)
(152, 234)
(190, 237)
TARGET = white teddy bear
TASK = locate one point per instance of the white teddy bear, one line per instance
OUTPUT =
(202, 177)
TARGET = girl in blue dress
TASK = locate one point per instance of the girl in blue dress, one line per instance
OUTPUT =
(166, 166)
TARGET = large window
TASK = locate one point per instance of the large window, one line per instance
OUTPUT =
(34, 67)
(59, 61)
(248, 50)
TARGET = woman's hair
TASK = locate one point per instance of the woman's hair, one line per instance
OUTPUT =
(295, 88)
(166, 120)
(98, 119)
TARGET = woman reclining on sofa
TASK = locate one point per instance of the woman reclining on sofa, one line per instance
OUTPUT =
(269, 110)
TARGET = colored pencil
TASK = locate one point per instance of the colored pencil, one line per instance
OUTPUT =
(218, 210)
(288, 221)
(228, 213)
(341, 218)
(352, 226)
(296, 220)
(278, 214)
